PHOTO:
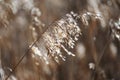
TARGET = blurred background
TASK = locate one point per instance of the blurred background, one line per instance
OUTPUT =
(97, 49)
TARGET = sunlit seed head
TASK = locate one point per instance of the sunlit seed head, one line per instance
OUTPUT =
(64, 33)
(91, 66)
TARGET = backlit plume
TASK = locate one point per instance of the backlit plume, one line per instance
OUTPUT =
(61, 36)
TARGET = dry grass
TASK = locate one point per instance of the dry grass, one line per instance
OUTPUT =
(59, 39)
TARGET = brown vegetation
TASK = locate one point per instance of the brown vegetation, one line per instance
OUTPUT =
(59, 39)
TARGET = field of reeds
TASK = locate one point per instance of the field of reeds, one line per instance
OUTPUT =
(59, 39)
